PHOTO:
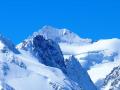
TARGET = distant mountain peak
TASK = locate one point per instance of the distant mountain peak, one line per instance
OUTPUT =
(61, 35)
(50, 28)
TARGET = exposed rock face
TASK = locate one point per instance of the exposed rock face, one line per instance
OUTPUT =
(76, 73)
(47, 51)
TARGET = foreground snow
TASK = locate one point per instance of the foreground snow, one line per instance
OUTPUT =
(36, 77)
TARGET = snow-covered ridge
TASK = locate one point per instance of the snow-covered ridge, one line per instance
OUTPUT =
(101, 45)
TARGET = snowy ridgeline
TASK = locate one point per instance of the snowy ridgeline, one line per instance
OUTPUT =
(58, 59)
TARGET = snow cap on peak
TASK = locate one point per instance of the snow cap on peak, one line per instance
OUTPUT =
(61, 35)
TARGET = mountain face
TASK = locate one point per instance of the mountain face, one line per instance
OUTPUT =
(112, 81)
(46, 51)
(76, 73)
(38, 64)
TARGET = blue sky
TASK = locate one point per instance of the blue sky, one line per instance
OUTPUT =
(89, 18)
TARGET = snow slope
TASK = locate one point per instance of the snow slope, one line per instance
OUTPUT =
(38, 77)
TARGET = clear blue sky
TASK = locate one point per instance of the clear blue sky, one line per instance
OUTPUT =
(89, 18)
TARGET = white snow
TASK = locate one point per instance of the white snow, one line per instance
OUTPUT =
(100, 71)
(30, 82)
(36, 77)
(108, 44)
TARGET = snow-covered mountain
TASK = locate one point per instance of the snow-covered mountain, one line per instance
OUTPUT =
(38, 64)
(58, 59)
(98, 58)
